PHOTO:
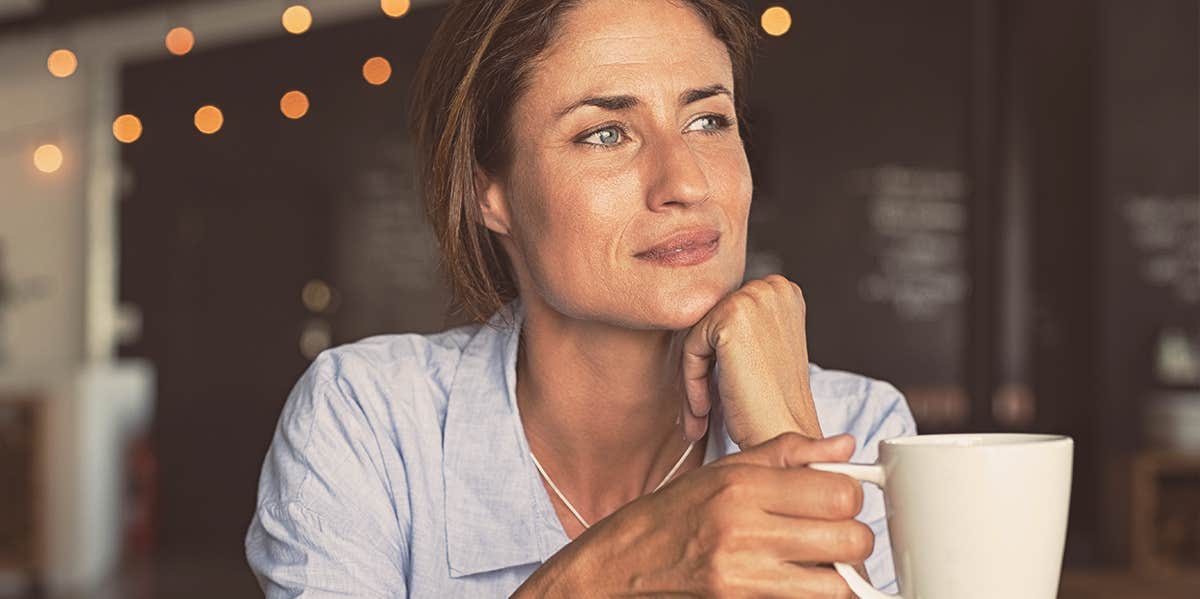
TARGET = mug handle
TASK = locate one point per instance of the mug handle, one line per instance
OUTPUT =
(868, 473)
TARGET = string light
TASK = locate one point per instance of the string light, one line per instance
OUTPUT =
(395, 8)
(294, 104)
(316, 295)
(776, 20)
(48, 158)
(209, 119)
(297, 19)
(62, 63)
(180, 41)
(377, 70)
(127, 128)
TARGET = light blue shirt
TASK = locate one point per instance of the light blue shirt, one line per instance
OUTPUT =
(400, 467)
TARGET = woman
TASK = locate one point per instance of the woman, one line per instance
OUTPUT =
(588, 185)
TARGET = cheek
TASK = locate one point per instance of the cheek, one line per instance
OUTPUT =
(732, 182)
(572, 225)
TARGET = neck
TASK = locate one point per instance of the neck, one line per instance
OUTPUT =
(600, 406)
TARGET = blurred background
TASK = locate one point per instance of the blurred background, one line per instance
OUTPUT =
(994, 204)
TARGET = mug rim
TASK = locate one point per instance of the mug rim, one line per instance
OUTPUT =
(971, 440)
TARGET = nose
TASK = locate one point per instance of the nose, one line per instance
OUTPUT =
(678, 176)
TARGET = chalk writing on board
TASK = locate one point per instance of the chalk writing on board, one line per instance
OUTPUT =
(1165, 233)
(386, 253)
(916, 226)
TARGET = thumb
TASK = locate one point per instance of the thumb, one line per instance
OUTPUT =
(792, 450)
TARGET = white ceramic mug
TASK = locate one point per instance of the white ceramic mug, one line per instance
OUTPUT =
(974, 515)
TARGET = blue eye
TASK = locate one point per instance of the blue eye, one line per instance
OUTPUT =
(613, 136)
(719, 123)
(607, 137)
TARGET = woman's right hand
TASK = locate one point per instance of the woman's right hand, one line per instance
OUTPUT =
(752, 524)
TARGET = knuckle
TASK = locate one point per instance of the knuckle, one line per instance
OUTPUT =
(789, 448)
(793, 441)
(759, 289)
(733, 486)
(741, 309)
(776, 279)
(743, 300)
(718, 489)
(733, 474)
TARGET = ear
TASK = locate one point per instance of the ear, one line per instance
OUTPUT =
(493, 201)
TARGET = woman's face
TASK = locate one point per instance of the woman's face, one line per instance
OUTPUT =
(625, 137)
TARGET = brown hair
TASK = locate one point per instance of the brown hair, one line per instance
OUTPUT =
(472, 73)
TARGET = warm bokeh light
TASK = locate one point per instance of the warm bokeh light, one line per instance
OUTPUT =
(180, 41)
(395, 8)
(377, 70)
(209, 119)
(297, 19)
(294, 104)
(62, 63)
(776, 20)
(315, 338)
(48, 158)
(316, 295)
(127, 128)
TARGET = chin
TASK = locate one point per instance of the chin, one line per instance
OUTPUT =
(676, 309)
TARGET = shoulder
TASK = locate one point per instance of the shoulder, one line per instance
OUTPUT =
(869, 409)
(388, 368)
(361, 403)
(388, 355)
(386, 385)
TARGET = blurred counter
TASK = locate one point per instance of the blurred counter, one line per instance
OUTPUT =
(1102, 584)
(76, 471)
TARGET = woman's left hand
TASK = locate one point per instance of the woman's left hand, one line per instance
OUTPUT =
(757, 335)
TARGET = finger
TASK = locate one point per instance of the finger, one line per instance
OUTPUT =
(800, 492)
(792, 450)
(802, 582)
(694, 426)
(697, 361)
(811, 540)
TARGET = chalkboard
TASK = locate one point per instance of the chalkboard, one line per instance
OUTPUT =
(858, 145)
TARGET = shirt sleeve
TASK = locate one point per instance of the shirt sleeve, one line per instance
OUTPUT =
(885, 415)
(326, 524)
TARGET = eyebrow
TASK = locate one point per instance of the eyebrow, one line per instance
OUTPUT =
(626, 102)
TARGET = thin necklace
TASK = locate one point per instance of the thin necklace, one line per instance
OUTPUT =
(572, 508)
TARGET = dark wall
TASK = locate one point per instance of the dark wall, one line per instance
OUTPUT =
(1149, 220)
(220, 233)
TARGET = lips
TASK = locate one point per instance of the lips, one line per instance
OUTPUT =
(683, 243)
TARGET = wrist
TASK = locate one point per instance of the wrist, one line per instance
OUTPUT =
(784, 421)
(557, 578)
(571, 573)
(804, 419)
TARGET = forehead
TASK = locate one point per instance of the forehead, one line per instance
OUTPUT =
(622, 44)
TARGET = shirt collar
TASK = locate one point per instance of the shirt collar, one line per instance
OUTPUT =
(491, 501)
